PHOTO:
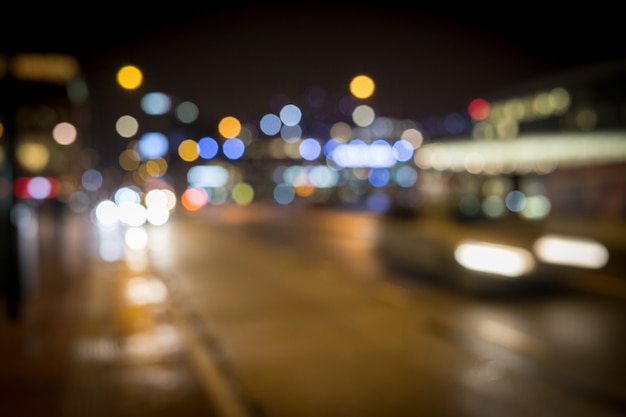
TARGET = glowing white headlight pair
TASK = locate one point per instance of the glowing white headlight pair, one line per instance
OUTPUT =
(573, 251)
(511, 261)
(508, 261)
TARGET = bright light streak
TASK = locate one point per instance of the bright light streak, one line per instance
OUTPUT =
(157, 215)
(107, 213)
(381, 154)
(207, 176)
(140, 291)
(155, 197)
(493, 258)
(133, 214)
(564, 250)
(358, 154)
(136, 238)
(534, 151)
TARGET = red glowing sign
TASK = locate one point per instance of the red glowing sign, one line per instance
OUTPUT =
(38, 188)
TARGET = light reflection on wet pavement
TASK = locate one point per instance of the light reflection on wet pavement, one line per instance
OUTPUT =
(110, 338)
(131, 358)
(95, 338)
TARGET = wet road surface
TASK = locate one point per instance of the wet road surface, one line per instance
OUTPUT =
(231, 314)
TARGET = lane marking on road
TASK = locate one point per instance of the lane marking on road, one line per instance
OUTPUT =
(208, 360)
(216, 385)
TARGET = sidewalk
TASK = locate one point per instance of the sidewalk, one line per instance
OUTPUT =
(82, 347)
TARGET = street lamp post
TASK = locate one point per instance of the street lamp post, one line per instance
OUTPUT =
(25, 79)
(10, 280)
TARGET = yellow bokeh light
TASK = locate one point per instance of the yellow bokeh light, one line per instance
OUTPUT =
(229, 127)
(129, 77)
(156, 167)
(304, 190)
(33, 156)
(188, 150)
(362, 86)
(129, 160)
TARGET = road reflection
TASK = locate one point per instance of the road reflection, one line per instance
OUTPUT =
(284, 295)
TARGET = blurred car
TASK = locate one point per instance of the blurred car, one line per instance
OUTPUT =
(485, 256)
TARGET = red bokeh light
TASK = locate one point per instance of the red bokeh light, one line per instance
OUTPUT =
(479, 109)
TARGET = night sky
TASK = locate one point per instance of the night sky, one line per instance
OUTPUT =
(565, 35)
(232, 59)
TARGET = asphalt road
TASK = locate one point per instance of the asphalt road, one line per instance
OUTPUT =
(292, 313)
(254, 311)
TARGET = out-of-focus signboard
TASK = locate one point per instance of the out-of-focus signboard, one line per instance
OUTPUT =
(54, 68)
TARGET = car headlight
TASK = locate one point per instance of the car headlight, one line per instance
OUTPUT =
(503, 260)
(572, 251)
